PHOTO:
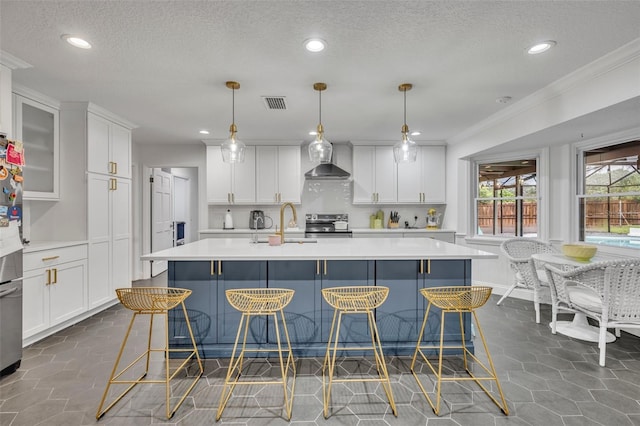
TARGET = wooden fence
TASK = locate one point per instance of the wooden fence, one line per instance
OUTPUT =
(599, 214)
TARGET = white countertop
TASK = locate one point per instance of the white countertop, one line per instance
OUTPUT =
(403, 230)
(248, 231)
(34, 246)
(300, 230)
(323, 249)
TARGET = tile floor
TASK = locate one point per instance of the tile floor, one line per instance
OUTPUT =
(548, 380)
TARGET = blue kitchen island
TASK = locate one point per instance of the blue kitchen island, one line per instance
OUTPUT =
(211, 266)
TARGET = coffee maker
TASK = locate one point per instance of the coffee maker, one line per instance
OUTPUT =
(256, 219)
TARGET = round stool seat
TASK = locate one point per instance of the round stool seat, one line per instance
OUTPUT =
(151, 299)
(457, 298)
(259, 300)
(356, 297)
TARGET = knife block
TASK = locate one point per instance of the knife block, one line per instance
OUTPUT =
(392, 224)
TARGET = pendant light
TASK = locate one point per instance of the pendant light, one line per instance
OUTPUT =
(232, 148)
(320, 149)
(406, 150)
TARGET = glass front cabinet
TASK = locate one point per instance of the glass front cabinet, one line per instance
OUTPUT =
(36, 124)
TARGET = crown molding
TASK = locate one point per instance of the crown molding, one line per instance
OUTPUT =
(13, 62)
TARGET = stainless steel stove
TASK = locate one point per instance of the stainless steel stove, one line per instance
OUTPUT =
(327, 225)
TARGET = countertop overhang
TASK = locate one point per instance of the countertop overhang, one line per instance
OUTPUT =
(324, 249)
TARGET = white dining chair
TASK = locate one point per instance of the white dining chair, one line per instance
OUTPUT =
(608, 292)
(528, 274)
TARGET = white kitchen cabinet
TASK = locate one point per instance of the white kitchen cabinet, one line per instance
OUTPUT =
(109, 235)
(231, 183)
(374, 175)
(54, 287)
(108, 147)
(36, 124)
(277, 174)
(423, 182)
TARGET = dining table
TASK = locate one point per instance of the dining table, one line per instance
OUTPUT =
(579, 327)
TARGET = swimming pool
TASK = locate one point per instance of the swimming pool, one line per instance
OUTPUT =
(618, 241)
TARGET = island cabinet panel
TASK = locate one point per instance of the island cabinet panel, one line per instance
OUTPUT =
(400, 317)
(236, 275)
(197, 277)
(445, 273)
(341, 273)
(214, 321)
(308, 315)
(303, 313)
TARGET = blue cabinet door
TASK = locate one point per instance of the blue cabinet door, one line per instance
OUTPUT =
(341, 273)
(446, 273)
(303, 313)
(235, 275)
(398, 317)
(195, 276)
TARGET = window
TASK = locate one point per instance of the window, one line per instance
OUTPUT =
(609, 195)
(507, 198)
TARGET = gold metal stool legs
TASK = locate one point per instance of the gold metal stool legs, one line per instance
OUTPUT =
(160, 307)
(458, 308)
(266, 304)
(353, 300)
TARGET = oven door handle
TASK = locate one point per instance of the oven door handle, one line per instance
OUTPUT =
(8, 292)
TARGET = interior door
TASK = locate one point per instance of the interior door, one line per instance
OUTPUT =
(161, 217)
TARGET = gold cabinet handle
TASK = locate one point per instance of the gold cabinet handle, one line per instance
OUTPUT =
(233, 197)
(110, 166)
(428, 266)
(317, 267)
(115, 184)
(48, 277)
(325, 267)
(46, 259)
(219, 267)
(213, 269)
(421, 269)
(55, 275)
(115, 168)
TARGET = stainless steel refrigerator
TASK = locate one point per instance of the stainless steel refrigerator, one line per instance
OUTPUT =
(11, 162)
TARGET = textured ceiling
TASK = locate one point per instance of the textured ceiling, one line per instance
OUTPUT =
(163, 64)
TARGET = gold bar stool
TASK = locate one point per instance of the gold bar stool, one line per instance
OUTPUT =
(346, 301)
(152, 301)
(457, 300)
(252, 302)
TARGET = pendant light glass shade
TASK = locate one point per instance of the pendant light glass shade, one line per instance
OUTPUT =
(232, 149)
(406, 150)
(320, 149)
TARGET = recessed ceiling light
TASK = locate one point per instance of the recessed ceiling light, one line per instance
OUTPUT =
(541, 47)
(415, 133)
(204, 132)
(313, 133)
(315, 45)
(76, 41)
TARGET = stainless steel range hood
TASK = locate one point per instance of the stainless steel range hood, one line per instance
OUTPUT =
(327, 171)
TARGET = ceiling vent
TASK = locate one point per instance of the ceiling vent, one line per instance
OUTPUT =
(274, 102)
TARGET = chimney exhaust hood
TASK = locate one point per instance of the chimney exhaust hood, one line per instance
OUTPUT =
(326, 171)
